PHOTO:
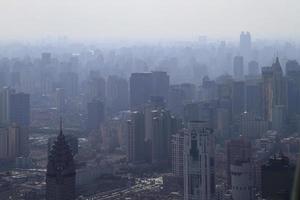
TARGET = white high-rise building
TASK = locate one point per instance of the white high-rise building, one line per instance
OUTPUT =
(199, 162)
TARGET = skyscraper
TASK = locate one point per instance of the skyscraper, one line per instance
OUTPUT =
(136, 138)
(177, 154)
(274, 89)
(245, 44)
(242, 180)
(61, 173)
(277, 178)
(238, 98)
(253, 68)
(95, 115)
(5, 94)
(236, 150)
(19, 109)
(117, 94)
(238, 67)
(145, 85)
(199, 162)
(140, 89)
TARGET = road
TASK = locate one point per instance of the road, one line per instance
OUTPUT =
(142, 185)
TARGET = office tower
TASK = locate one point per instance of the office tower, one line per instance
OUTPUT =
(277, 178)
(4, 72)
(245, 44)
(69, 81)
(208, 91)
(141, 86)
(236, 150)
(117, 94)
(222, 122)
(5, 95)
(70, 139)
(161, 137)
(13, 141)
(19, 109)
(238, 98)
(238, 67)
(60, 101)
(199, 165)
(3, 143)
(136, 138)
(279, 118)
(189, 92)
(160, 84)
(279, 84)
(251, 126)
(176, 99)
(254, 98)
(274, 88)
(267, 91)
(242, 180)
(95, 114)
(96, 87)
(191, 112)
(293, 92)
(177, 153)
(61, 173)
(253, 68)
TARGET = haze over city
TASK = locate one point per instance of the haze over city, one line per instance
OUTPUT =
(143, 19)
(149, 100)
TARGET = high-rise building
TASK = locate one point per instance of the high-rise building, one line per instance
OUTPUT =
(277, 178)
(245, 44)
(251, 126)
(13, 142)
(95, 114)
(136, 138)
(236, 150)
(199, 162)
(60, 101)
(69, 81)
(145, 85)
(3, 143)
(238, 67)
(141, 86)
(253, 68)
(160, 84)
(177, 154)
(117, 94)
(267, 90)
(274, 89)
(238, 98)
(293, 92)
(176, 100)
(61, 173)
(19, 109)
(5, 94)
(242, 180)
(254, 98)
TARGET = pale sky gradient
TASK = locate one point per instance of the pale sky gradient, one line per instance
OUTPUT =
(128, 19)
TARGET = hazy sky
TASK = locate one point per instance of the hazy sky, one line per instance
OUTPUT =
(129, 19)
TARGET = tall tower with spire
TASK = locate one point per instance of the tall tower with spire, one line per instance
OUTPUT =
(61, 174)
